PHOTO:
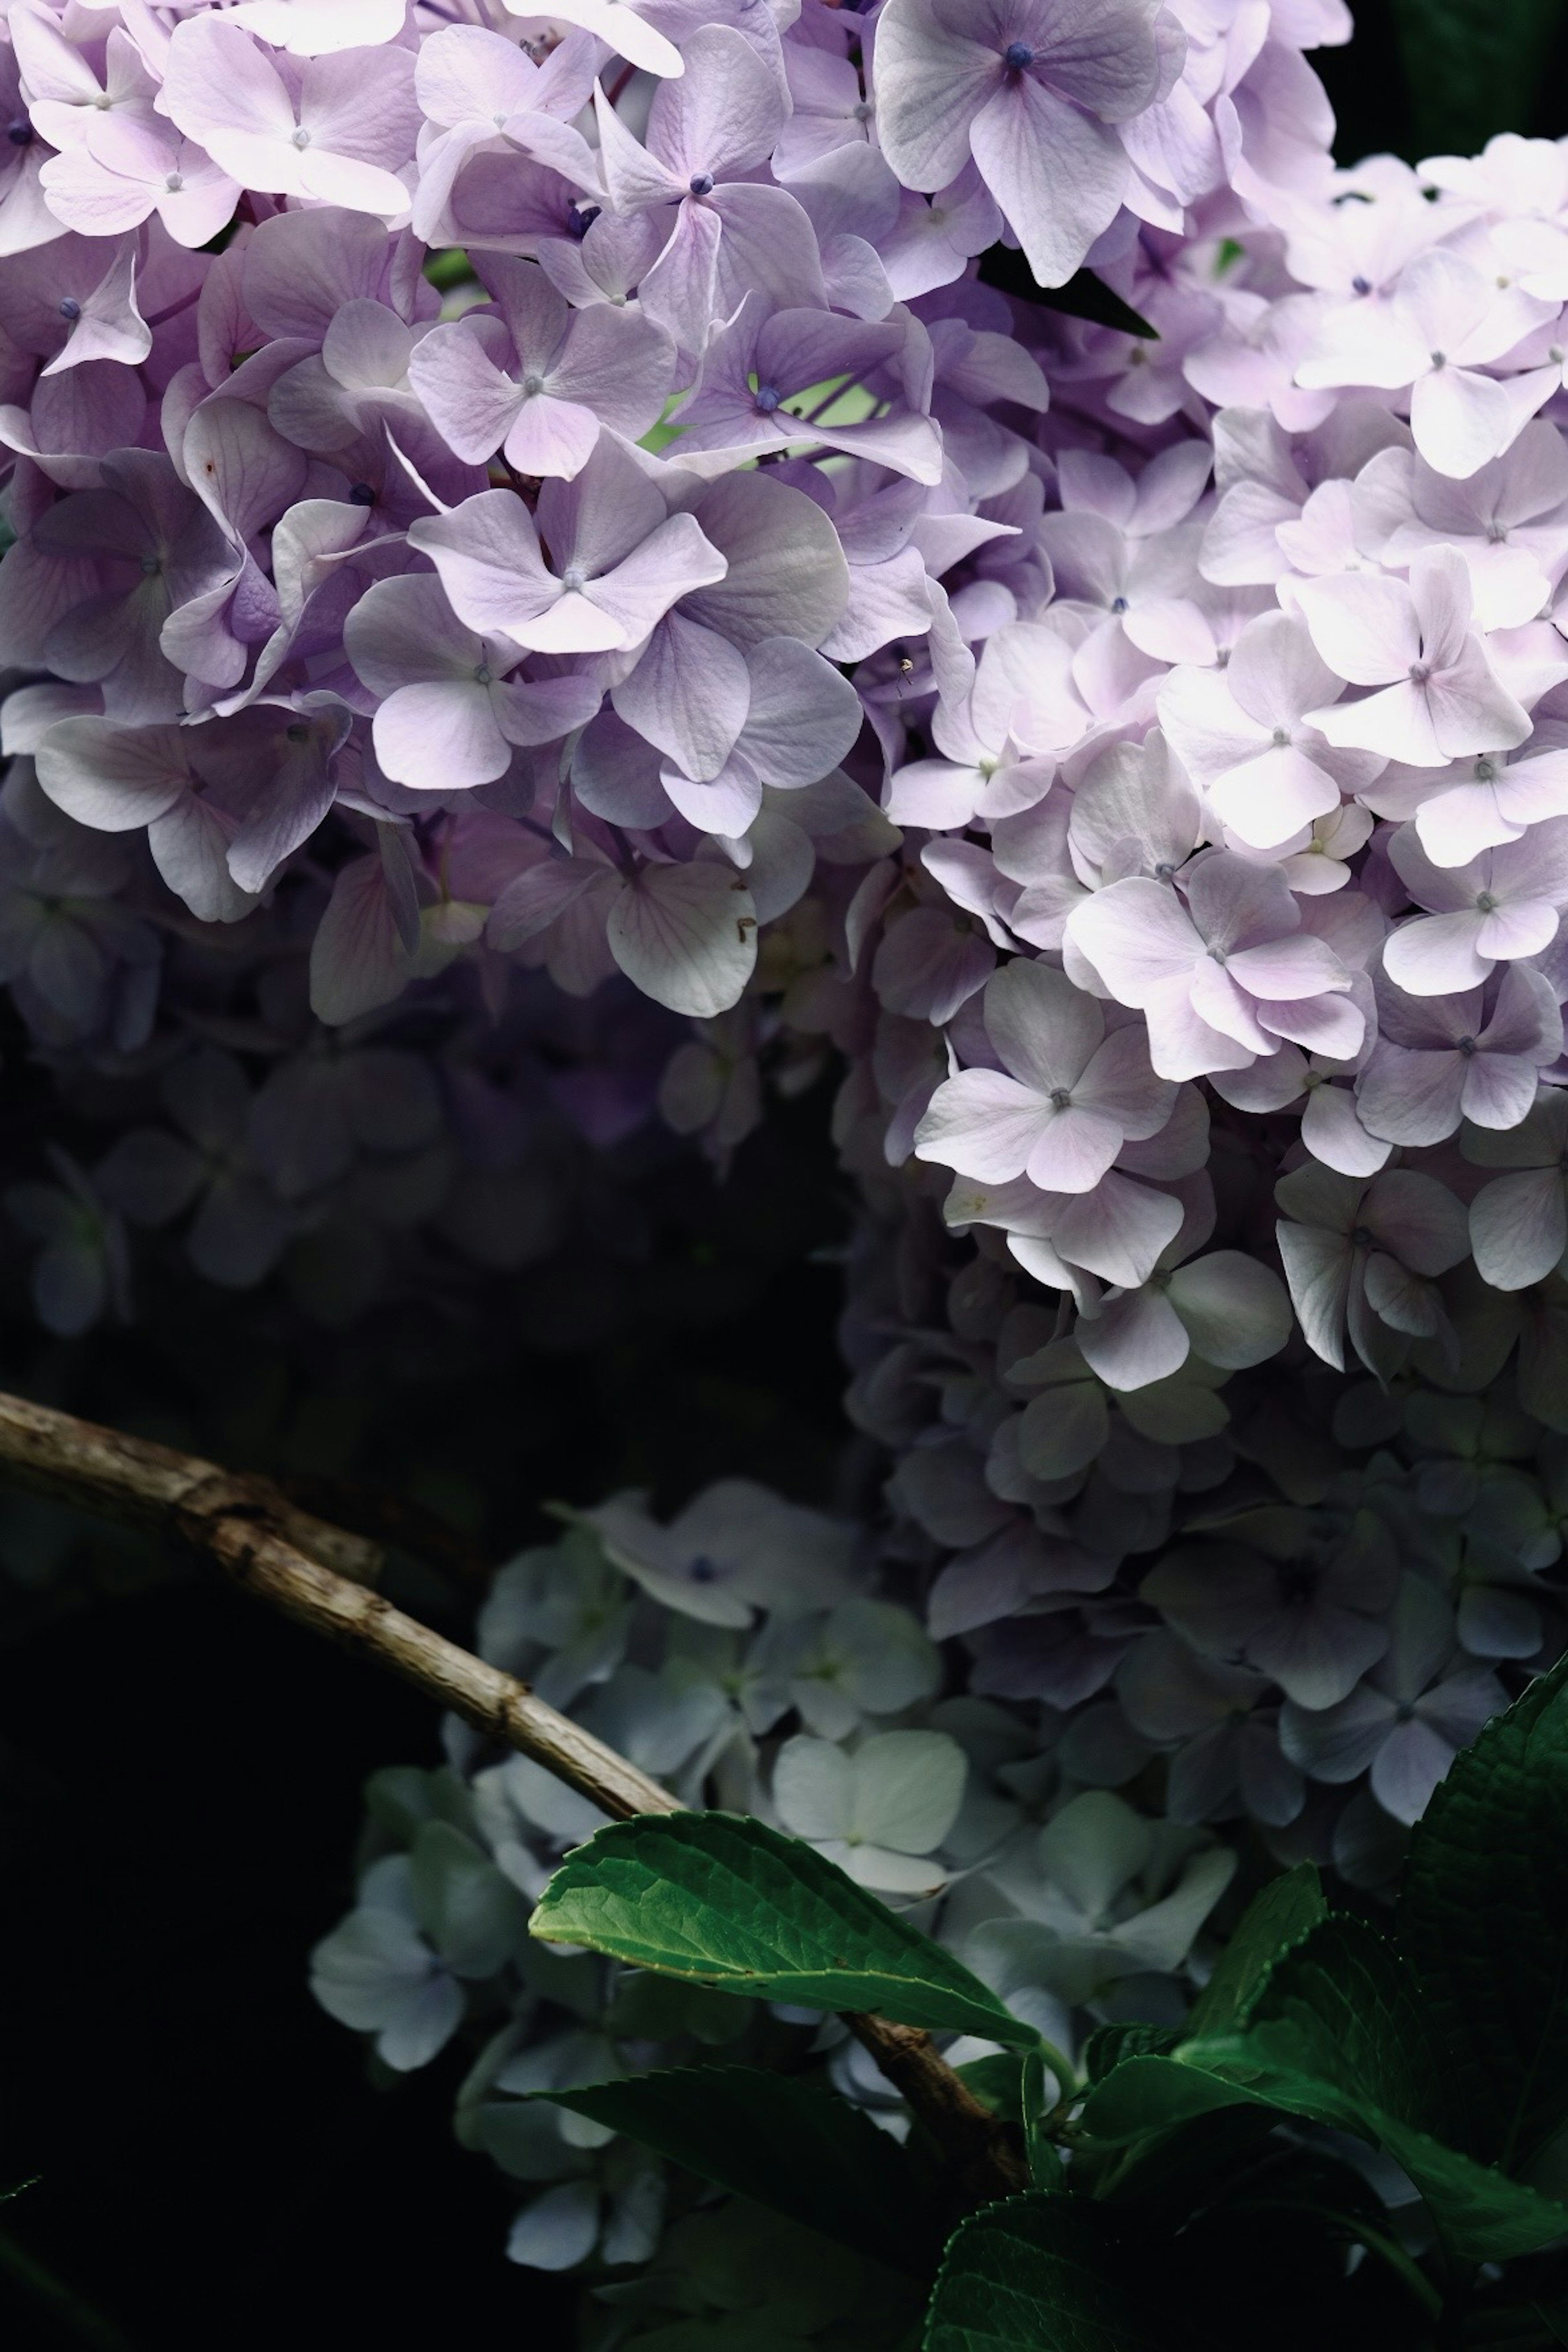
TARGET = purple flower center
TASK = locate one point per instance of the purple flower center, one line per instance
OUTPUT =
(1360, 285)
(1016, 55)
(362, 495)
(1420, 673)
(20, 133)
(768, 398)
(578, 224)
(701, 184)
(70, 309)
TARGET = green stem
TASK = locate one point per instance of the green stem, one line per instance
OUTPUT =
(71, 2314)
(1065, 2073)
(1403, 2266)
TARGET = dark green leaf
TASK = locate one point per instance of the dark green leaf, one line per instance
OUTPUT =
(997, 2083)
(731, 2333)
(1107, 2045)
(1039, 2093)
(1286, 1910)
(1483, 2216)
(1342, 2007)
(1339, 2032)
(785, 2143)
(1473, 67)
(720, 1900)
(1051, 2274)
(1151, 2093)
(1084, 296)
(1483, 1918)
(1164, 2137)
(1512, 2326)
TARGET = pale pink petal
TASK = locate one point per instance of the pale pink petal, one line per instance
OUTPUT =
(1137, 934)
(984, 1125)
(1519, 1228)
(1134, 1340)
(1075, 1147)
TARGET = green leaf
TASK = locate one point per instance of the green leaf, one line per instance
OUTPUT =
(1483, 1918)
(1483, 2216)
(1151, 2094)
(720, 1900)
(1342, 2007)
(1051, 2274)
(997, 2083)
(1107, 2045)
(785, 2143)
(1287, 1908)
(1339, 2033)
(1084, 296)
(1046, 2168)
(1473, 67)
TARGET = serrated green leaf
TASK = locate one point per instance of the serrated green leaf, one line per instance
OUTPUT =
(1084, 296)
(1473, 67)
(1342, 2007)
(1483, 2216)
(1051, 2274)
(720, 1900)
(1483, 1919)
(1287, 1908)
(786, 2144)
(1340, 2033)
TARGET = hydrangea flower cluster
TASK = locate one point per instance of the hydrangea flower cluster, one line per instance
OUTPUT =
(750, 1654)
(573, 571)
(737, 1652)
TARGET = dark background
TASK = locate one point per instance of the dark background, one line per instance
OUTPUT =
(179, 1773)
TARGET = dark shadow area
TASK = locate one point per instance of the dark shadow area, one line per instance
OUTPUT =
(1370, 81)
(180, 1773)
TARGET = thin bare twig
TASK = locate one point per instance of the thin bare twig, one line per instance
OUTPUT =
(323, 1577)
(318, 1574)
